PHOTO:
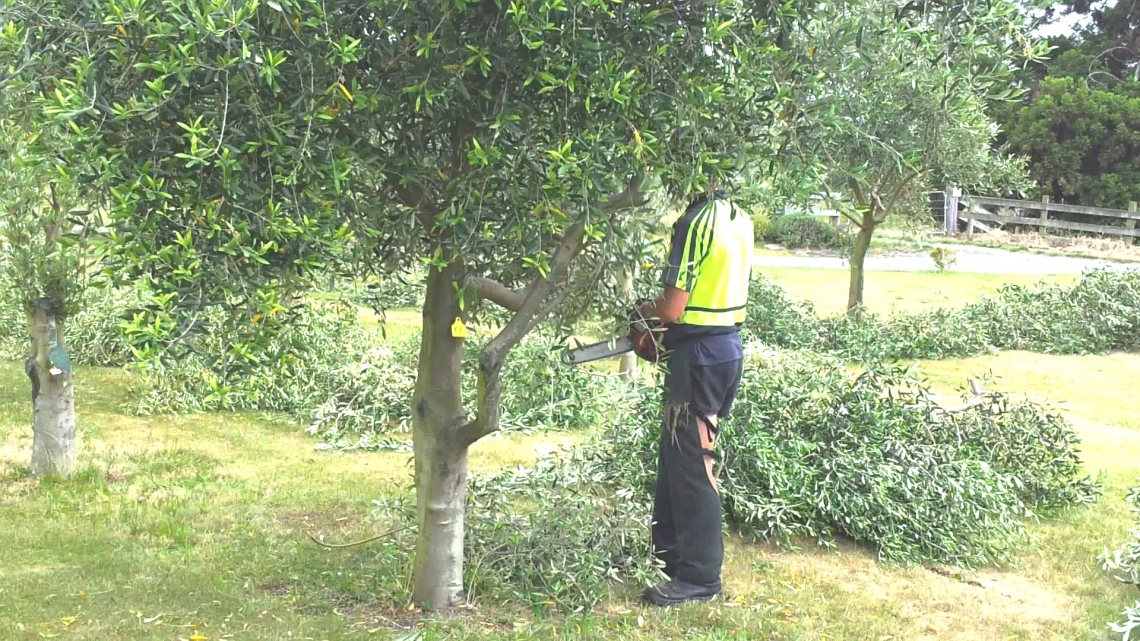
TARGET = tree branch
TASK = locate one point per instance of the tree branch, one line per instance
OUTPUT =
(630, 198)
(896, 192)
(855, 221)
(495, 292)
(534, 306)
(414, 198)
(857, 191)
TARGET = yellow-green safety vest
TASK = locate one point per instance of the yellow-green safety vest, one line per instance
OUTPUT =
(715, 264)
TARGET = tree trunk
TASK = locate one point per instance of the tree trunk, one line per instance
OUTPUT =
(54, 443)
(440, 455)
(627, 366)
(858, 258)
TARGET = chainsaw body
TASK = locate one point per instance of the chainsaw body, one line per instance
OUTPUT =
(644, 339)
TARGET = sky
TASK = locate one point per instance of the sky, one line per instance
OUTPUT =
(1069, 23)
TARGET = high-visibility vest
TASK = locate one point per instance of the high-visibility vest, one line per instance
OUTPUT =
(717, 265)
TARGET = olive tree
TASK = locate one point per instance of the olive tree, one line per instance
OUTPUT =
(243, 146)
(44, 257)
(903, 98)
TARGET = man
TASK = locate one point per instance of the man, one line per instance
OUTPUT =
(702, 306)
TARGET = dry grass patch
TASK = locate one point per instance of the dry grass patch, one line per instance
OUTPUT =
(813, 586)
(1078, 246)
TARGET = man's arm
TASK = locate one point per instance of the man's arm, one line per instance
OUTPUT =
(691, 235)
(669, 305)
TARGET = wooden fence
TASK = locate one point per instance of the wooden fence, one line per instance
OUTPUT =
(977, 211)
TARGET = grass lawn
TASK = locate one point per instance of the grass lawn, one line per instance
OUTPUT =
(888, 292)
(198, 528)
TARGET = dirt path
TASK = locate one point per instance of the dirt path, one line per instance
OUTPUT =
(981, 260)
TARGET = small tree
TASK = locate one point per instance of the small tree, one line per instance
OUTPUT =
(44, 259)
(902, 104)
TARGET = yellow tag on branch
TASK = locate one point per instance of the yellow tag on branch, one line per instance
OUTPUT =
(458, 329)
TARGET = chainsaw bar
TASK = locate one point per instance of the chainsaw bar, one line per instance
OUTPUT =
(598, 351)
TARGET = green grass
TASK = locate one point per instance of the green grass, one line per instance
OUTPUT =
(889, 292)
(201, 524)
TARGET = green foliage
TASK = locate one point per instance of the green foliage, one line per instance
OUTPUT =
(1100, 313)
(810, 452)
(44, 220)
(257, 148)
(550, 538)
(1083, 143)
(943, 258)
(354, 391)
(13, 322)
(94, 335)
(321, 351)
(395, 291)
(796, 231)
(761, 224)
(775, 319)
(1124, 565)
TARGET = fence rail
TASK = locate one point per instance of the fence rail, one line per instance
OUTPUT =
(978, 210)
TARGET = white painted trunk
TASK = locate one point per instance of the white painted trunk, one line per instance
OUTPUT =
(54, 445)
(442, 492)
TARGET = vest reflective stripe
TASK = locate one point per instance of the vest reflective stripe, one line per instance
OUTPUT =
(720, 294)
(692, 247)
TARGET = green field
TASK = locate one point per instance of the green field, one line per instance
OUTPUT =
(198, 527)
(889, 292)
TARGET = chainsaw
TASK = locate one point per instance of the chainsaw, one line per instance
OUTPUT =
(643, 339)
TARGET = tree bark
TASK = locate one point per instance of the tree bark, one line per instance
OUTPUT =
(440, 455)
(627, 366)
(858, 258)
(55, 446)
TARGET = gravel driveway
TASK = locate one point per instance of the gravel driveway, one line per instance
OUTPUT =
(982, 260)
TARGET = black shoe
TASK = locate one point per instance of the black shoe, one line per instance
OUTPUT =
(676, 592)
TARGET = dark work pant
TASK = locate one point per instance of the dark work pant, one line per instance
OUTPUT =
(686, 508)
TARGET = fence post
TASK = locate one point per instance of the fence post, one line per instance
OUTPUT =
(1044, 231)
(1131, 223)
(950, 224)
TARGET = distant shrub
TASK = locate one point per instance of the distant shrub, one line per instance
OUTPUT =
(798, 231)
(944, 258)
(761, 224)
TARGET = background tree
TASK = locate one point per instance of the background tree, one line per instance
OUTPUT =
(903, 99)
(1083, 143)
(243, 147)
(1109, 40)
(1075, 123)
